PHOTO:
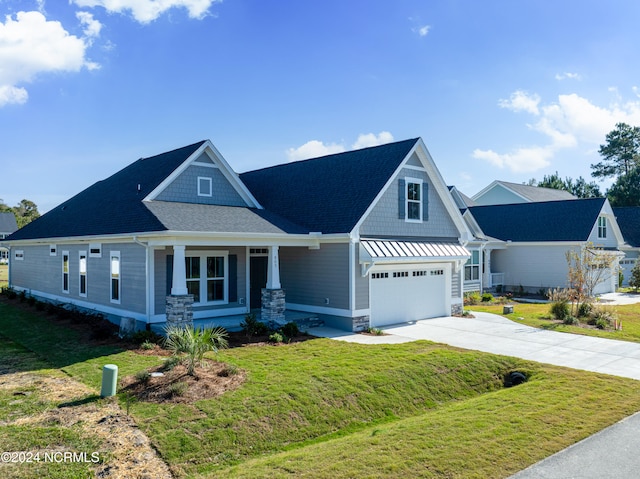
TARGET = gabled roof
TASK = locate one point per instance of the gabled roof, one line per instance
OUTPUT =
(8, 223)
(462, 200)
(529, 193)
(548, 221)
(628, 219)
(331, 193)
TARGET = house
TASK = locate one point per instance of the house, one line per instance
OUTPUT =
(503, 192)
(628, 218)
(534, 237)
(364, 238)
(8, 225)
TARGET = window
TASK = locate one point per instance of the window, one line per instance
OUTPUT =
(115, 277)
(602, 227)
(95, 250)
(53, 250)
(414, 200)
(19, 255)
(472, 267)
(436, 272)
(205, 186)
(379, 275)
(207, 277)
(65, 271)
(82, 272)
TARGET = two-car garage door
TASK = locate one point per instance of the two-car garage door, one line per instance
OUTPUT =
(401, 293)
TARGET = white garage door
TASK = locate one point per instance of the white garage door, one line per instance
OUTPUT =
(408, 294)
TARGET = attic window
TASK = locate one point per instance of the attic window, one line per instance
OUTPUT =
(95, 250)
(414, 199)
(205, 186)
(602, 227)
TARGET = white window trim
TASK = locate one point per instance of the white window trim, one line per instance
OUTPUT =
(115, 254)
(94, 246)
(81, 273)
(203, 275)
(18, 255)
(470, 264)
(419, 181)
(66, 253)
(53, 250)
(201, 182)
(602, 227)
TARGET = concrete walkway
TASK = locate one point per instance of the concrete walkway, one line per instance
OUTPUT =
(495, 334)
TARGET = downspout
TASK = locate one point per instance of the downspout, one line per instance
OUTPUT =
(147, 279)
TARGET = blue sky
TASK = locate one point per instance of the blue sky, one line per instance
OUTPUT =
(503, 89)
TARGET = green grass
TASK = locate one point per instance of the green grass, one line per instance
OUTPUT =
(325, 408)
(538, 316)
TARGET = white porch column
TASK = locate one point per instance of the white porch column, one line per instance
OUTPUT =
(179, 286)
(273, 269)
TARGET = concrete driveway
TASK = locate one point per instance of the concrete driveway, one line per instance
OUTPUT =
(496, 334)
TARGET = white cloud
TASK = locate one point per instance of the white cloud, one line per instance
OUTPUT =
(572, 121)
(145, 11)
(315, 148)
(91, 26)
(568, 76)
(31, 45)
(521, 101)
(423, 31)
(371, 139)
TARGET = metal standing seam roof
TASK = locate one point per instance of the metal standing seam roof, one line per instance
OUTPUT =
(413, 249)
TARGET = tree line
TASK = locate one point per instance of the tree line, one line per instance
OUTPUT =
(25, 212)
(620, 161)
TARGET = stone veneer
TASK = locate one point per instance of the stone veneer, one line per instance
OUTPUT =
(360, 323)
(273, 306)
(457, 309)
(180, 310)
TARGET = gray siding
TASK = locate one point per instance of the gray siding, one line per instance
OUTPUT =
(41, 272)
(310, 276)
(362, 284)
(383, 221)
(184, 188)
(498, 195)
(160, 278)
(455, 284)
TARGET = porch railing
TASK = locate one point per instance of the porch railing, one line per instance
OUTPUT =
(497, 279)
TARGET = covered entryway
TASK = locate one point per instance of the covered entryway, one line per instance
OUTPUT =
(401, 293)
(257, 279)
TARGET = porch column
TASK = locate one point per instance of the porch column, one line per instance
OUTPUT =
(179, 285)
(273, 268)
(273, 297)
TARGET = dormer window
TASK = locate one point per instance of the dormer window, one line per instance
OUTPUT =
(205, 186)
(414, 199)
(602, 227)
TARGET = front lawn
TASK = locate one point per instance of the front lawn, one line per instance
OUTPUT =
(539, 316)
(324, 408)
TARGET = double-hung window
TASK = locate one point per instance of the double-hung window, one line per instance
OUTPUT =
(414, 199)
(472, 267)
(65, 271)
(115, 276)
(207, 276)
(82, 272)
(602, 227)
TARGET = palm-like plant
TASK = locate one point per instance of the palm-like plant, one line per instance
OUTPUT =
(194, 343)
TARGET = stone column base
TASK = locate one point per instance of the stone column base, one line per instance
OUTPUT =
(273, 306)
(360, 324)
(180, 310)
(457, 309)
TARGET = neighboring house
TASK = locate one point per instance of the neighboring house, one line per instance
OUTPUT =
(364, 238)
(502, 193)
(8, 225)
(629, 220)
(533, 239)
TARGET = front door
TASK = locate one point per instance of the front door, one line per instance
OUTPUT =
(258, 279)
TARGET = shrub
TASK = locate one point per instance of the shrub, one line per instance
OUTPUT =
(487, 297)
(379, 332)
(560, 310)
(571, 320)
(603, 317)
(147, 345)
(252, 327)
(229, 370)
(472, 298)
(143, 376)
(194, 343)
(584, 310)
(602, 324)
(290, 330)
(171, 363)
(276, 337)
(178, 389)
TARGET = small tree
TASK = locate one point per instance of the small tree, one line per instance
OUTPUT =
(588, 267)
(634, 281)
(193, 343)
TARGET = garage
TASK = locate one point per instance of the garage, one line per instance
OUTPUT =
(401, 293)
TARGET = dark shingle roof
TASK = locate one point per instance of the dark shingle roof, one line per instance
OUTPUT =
(111, 206)
(8, 223)
(571, 220)
(328, 194)
(628, 219)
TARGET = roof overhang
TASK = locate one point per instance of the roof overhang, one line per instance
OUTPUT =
(379, 251)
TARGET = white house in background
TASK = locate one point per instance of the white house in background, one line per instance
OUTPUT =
(503, 193)
(629, 220)
(8, 225)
